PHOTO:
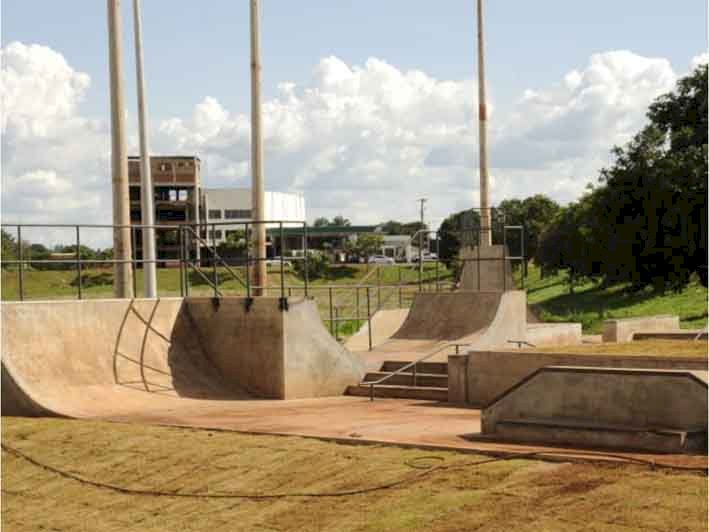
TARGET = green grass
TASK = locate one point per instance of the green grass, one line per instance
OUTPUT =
(523, 495)
(592, 305)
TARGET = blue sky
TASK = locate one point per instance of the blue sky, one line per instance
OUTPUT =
(382, 109)
(195, 48)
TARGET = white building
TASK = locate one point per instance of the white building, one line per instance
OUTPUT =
(233, 205)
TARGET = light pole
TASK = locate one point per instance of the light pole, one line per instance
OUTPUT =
(260, 279)
(146, 185)
(485, 218)
(123, 274)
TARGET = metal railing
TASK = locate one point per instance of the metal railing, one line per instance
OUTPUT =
(191, 242)
(413, 365)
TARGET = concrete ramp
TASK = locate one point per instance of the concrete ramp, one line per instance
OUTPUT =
(482, 319)
(646, 409)
(113, 357)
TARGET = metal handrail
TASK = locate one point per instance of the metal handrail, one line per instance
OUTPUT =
(216, 256)
(372, 384)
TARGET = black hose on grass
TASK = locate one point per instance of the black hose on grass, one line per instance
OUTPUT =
(348, 493)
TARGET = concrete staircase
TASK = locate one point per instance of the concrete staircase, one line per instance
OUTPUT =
(431, 382)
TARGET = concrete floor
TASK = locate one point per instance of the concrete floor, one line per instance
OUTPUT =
(354, 419)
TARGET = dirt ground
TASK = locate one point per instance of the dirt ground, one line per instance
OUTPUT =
(66, 475)
(684, 348)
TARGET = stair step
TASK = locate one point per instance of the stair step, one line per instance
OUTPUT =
(425, 380)
(401, 392)
(591, 434)
(437, 368)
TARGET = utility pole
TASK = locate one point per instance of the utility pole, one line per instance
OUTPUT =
(260, 279)
(122, 272)
(146, 184)
(422, 201)
(485, 218)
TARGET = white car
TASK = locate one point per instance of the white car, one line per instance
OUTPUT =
(275, 262)
(380, 259)
(427, 257)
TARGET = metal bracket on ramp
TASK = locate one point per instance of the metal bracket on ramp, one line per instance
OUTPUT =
(248, 303)
(283, 304)
(216, 302)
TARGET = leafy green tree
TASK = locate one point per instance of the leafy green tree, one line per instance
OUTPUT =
(340, 221)
(317, 266)
(367, 244)
(9, 247)
(321, 222)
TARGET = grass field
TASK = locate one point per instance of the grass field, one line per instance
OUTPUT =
(162, 478)
(337, 296)
(591, 305)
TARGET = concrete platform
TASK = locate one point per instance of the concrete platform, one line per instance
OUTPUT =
(404, 422)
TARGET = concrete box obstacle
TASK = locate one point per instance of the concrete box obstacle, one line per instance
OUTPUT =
(646, 409)
(477, 377)
(97, 357)
(622, 330)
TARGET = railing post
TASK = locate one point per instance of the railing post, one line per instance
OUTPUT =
(215, 274)
(504, 259)
(415, 374)
(283, 269)
(78, 261)
(337, 323)
(379, 287)
(20, 272)
(369, 318)
(401, 301)
(357, 306)
(133, 247)
(438, 262)
(248, 260)
(332, 331)
(306, 256)
(478, 268)
(181, 256)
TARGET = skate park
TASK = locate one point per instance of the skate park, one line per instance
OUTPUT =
(459, 362)
(462, 345)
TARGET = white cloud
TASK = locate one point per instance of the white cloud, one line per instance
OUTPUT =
(54, 160)
(701, 59)
(363, 141)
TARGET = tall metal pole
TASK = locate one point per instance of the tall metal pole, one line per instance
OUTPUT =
(146, 185)
(123, 275)
(423, 206)
(485, 221)
(260, 279)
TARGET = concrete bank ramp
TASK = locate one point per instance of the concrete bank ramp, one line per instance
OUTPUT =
(482, 319)
(106, 357)
(648, 409)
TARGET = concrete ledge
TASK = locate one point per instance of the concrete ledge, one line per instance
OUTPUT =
(651, 409)
(477, 377)
(551, 334)
(622, 330)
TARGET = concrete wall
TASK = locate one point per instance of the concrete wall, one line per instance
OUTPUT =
(664, 399)
(551, 334)
(478, 377)
(622, 330)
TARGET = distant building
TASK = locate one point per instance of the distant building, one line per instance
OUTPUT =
(233, 206)
(180, 200)
(177, 183)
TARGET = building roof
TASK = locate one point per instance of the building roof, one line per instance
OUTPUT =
(328, 230)
(179, 157)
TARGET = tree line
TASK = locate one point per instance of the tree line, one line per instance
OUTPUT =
(644, 223)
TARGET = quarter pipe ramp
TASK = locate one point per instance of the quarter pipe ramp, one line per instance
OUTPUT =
(112, 357)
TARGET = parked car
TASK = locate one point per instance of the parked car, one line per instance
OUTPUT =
(427, 257)
(275, 262)
(380, 259)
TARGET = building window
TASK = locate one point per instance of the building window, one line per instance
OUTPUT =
(215, 214)
(134, 193)
(182, 195)
(135, 215)
(237, 214)
(215, 234)
(172, 216)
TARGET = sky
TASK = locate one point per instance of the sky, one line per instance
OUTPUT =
(368, 105)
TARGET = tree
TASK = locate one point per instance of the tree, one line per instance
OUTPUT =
(646, 223)
(340, 221)
(533, 214)
(321, 222)
(9, 247)
(366, 244)
(318, 266)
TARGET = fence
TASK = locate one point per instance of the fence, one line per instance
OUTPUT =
(204, 271)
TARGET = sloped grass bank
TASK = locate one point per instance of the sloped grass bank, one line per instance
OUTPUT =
(158, 478)
(591, 305)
